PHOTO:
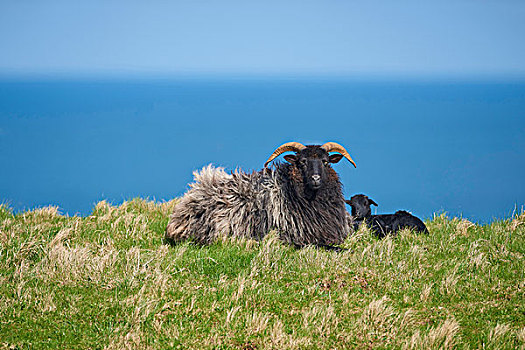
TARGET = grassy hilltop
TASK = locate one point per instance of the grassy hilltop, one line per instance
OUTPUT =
(108, 281)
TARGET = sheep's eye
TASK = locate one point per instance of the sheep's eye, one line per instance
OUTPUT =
(325, 162)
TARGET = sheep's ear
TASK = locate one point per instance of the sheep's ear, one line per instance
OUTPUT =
(371, 201)
(334, 158)
(290, 158)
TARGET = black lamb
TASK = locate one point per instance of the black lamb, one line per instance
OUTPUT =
(384, 224)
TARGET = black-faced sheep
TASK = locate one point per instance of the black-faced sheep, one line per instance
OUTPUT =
(384, 224)
(302, 200)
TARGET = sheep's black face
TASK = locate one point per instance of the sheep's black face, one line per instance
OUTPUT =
(361, 206)
(314, 165)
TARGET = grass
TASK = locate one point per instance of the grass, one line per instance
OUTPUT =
(108, 281)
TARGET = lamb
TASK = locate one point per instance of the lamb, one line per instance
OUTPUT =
(384, 224)
(302, 200)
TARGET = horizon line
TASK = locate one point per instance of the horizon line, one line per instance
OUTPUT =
(209, 75)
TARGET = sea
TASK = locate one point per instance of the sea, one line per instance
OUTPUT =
(431, 147)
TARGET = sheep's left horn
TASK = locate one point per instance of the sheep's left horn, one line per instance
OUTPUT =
(335, 147)
(289, 146)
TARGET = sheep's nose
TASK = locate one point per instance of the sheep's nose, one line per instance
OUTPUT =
(316, 177)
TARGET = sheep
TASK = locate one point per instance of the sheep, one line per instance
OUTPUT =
(384, 224)
(301, 200)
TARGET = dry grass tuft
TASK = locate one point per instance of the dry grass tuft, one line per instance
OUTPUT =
(444, 336)
(279, 339)
(517, 221)
(448, 284)
(499, 336)
(257, 322)
(377, 316)
(44, 213)
(376, 321)
(521, 337)
(361, 234)
(76, 265)
(426, 292)
(103, 207)
(133, 339)
(61, 236)
(463, 226)
(269, 255)
(321, 320)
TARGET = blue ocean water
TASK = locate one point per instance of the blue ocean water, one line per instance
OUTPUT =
(424, 146)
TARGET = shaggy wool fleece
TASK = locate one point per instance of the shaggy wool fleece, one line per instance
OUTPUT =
(251, 204)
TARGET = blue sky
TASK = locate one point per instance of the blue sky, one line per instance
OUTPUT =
(399, 38)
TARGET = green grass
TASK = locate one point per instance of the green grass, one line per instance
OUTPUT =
(109, 281)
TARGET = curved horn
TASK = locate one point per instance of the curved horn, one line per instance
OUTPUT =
(335, 147)
(289, 146)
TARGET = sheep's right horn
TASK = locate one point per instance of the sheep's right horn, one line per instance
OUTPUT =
(335, 147)
(289, 146)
